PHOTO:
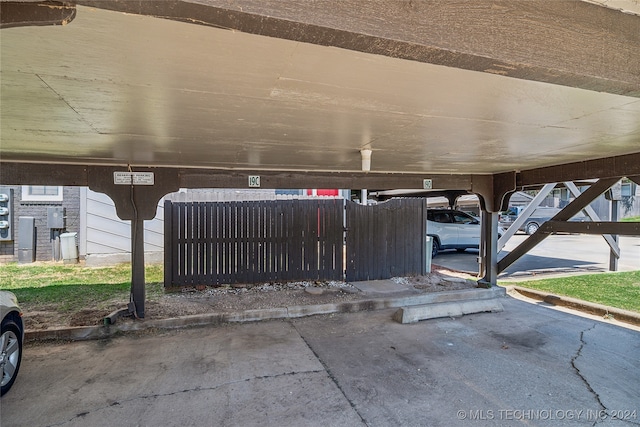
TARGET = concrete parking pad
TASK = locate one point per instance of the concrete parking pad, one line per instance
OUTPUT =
(233, 375)
(528, 365)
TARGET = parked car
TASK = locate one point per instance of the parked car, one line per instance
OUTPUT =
(537, 218)
(11, 338)
(452, 229)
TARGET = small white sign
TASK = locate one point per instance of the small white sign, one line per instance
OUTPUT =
(135, 178)
(254, 181)
(427, 184)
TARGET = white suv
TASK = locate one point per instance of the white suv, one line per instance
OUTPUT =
(11, 337)
(451, 229)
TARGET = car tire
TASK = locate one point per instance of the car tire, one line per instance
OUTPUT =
(10, 354)
(435, 247)
(532, 227)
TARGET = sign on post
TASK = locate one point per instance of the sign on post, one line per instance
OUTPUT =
(133, 178)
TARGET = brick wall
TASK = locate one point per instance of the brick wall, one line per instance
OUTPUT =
(44, 236)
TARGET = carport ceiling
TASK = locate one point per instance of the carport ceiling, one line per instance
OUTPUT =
(479, 87)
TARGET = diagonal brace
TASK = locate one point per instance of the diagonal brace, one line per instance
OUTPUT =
(613, 244)
(526, 213)
(569, 211)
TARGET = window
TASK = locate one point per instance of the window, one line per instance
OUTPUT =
(442, 217)
(628, 189)
(463, 219)
(41, 193)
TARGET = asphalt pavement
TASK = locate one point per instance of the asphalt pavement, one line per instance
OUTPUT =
(528, 365)
(563, 254)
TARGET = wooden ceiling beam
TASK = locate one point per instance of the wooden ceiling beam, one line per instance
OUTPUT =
(569, 43)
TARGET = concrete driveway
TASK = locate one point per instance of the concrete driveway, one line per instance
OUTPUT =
(528, 365)
(556, 255)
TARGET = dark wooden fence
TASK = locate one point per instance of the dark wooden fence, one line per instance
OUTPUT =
(213, 243)
(386, 240)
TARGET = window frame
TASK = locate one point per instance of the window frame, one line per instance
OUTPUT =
(28, 197)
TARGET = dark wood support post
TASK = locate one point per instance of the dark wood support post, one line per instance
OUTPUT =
(493, 192)
(168, 248)
(489, 249)
(452, 196)
(137, 268)
(136, 203)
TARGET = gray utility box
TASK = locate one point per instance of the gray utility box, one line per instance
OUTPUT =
(69, 248)
(26, 239)
(429, 254)
(55, 217)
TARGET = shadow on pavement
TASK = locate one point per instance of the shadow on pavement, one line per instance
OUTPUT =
(526, 266)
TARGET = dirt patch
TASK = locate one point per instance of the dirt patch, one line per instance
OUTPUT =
(88, 317)
(224, 299)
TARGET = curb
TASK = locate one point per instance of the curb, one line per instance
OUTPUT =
(576, 304)
(81, 333)
(416, 313)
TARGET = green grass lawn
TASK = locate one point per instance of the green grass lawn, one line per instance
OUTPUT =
(631, 219)
(74, 286)
(620, 290)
